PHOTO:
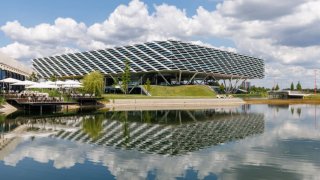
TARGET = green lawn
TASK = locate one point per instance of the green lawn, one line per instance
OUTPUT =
(250, 95)
(169, 92)
(185, 90)
(317, 96)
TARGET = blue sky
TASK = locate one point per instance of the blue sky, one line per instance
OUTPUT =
(283, 33)
(34, 12)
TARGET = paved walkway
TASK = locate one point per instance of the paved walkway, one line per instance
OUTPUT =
(172, 103)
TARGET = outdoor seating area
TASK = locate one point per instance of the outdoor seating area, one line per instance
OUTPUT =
(33, 96)
(46, 94)
(8, 84)
(36, 93)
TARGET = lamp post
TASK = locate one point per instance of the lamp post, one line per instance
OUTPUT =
(315, 82)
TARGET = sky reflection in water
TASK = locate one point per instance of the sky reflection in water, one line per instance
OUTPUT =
(248, 142)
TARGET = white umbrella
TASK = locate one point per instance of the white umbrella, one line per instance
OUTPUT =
(48, 82)
(43, 86)
(72, 82)
(24, 83)
(59, 83)
(55, 82)
(10, 80)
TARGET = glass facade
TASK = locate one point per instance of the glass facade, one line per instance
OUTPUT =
(8, 74)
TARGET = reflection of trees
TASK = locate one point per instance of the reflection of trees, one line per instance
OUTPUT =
(2, 118)
(123, 116)
(147, 116)
(299, 111)
(93, 125)
(125, 126)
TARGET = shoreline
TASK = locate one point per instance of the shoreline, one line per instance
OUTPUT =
(176, 104)
(7, 109)
(172, 103)
(280, 101)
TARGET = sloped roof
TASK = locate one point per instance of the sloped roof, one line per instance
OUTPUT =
(151, 57)
(13, 64)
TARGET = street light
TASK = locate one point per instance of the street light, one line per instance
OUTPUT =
(315, 82)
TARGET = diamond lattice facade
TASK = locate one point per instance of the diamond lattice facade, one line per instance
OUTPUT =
(171, 61)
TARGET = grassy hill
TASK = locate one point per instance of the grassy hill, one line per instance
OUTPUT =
(184, 90)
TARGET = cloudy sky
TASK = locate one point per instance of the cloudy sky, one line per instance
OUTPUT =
(286, 33)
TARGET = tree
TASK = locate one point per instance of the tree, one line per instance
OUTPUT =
(53, 78)
(126, 77)
(93, 83)
(277, 87)
(33, 77)
(299, 87)
(148, 85)
(292, 87)
(221, 88)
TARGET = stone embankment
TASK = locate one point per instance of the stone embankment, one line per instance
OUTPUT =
(7, 109)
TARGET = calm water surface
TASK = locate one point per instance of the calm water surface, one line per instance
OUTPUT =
(246, 142)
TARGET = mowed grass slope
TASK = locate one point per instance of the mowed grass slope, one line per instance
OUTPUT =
(183, 90)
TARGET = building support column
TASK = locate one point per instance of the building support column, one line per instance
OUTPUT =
(190, 80)
(235, 85)
(243, 80)
(205, 78)
(232, 87)
(225, 85)
(140, 81)
(180, 74)
(228, 88)
(167, 83)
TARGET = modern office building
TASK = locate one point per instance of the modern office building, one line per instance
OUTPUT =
(11, 68)
(162, 62)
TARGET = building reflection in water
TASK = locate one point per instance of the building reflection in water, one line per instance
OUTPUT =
(173, 132)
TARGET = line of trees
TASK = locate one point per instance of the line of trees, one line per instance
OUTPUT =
(292, 87)
(298, 86)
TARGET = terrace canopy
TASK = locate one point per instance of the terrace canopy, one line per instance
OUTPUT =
(24, 83)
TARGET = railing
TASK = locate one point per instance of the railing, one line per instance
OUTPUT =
(19, 98)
